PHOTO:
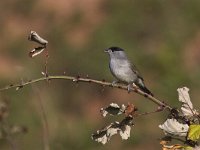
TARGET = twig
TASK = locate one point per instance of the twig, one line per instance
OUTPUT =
(79, 79)
(46, 63)
(145, 113)
(44, 120)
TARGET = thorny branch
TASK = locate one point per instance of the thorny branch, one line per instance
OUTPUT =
(177, 122)
(80, 79)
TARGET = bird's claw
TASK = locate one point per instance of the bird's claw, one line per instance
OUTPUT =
(129, 88)
(114, 82)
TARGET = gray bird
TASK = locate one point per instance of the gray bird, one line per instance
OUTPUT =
(123, 70)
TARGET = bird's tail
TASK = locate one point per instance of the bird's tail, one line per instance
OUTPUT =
(144, 89)
(142, 86)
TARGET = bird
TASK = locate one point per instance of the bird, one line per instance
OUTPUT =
(124, 71)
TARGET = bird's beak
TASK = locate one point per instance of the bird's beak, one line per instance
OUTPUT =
(106, 50)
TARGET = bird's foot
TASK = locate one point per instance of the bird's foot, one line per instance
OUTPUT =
(129, 88)
(114, 82)
(135, 86)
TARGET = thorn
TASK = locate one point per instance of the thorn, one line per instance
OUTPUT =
(64, 73)
(44, 74)
(19, 87)
(103, 80)
(76, 79)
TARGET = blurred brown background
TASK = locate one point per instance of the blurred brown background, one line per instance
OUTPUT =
(162, 38)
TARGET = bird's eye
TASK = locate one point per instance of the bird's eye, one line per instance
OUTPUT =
(110, 51)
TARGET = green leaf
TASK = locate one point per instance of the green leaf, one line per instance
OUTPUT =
(188, 148)
(194, 132)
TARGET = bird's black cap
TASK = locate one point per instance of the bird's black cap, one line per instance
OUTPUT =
(114, 48)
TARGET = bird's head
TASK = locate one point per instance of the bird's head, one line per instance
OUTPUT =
(113, 49)
(115, 52)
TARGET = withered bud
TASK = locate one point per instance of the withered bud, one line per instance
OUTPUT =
(36, 51)
(36, 38)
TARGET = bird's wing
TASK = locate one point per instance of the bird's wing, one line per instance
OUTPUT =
(134, 69)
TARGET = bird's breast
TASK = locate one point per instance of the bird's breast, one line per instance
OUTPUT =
(121, 69)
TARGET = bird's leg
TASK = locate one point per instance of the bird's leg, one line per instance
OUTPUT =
(129, 87)
(114, 82)
(135, 86)
(132, 85)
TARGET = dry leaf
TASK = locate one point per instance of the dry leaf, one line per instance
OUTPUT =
(123, 128)
(171, 147)
(36, 38)
(36, 51)
(130, 109)
(173, 127)
(113, 109)
(187, 106)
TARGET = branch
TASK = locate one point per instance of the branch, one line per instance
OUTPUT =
(79, 79)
